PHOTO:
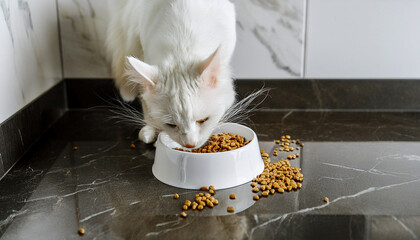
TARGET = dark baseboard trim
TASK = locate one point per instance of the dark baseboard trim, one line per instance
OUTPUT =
(19, 132)
(297, 94)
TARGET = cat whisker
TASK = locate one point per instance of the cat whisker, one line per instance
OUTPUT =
(242, 110)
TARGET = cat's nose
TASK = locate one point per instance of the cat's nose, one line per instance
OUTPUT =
(189, 146)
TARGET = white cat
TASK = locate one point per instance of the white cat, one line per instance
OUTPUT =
(179, 64)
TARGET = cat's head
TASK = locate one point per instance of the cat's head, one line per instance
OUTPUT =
(186, 100)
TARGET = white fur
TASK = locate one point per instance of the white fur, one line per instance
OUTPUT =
(180, 66)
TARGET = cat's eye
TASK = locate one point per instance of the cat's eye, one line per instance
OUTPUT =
(201, 121)
(171, 125)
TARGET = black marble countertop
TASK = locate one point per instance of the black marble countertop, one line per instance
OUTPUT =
(367, 164)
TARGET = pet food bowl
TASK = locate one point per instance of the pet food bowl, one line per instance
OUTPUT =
(221, 169)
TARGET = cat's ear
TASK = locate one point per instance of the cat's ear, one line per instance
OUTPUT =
(209, 69)
(147, 72)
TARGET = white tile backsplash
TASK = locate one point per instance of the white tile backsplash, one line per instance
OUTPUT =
(29, 55)
(270, 37)
(363, 39)
(83, 26)
(269, 45)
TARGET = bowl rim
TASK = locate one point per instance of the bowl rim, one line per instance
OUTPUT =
(213, 153)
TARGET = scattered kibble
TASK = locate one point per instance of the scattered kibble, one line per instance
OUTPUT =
(278, 176)
(184, 207)
(326, 199)
(132, 146)
(220, 143)
(176, 196)
(230, 209)
(211, 191)
(200, 207)
(183, 214)
(204, 188)
(232, 196)
(75, 148)
(81, 231)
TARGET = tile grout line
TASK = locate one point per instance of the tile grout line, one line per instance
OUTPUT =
(60, 43)
(305, 34)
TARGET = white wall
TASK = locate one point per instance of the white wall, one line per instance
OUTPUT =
(29, 52)
(270, 38)
(363, 39)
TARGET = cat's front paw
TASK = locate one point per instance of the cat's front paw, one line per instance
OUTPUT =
(147, 134)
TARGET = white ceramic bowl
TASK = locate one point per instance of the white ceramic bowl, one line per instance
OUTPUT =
(221, 169)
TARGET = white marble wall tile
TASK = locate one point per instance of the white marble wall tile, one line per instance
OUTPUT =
(363, 39)
(83, 26)
(270, 38)
(29, 55)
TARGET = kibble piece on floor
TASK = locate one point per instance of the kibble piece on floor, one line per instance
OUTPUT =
(75, 148)
(256, 197)
(326, 199)
(211, 191)
(255, 189)
(211, 187)
(264, 194)
(254, 184)
(183, 214)
(232, 196)
(230, 209)
(204, 188)
(81, 231)
(176, 196)
(184, 207)
(132, 146)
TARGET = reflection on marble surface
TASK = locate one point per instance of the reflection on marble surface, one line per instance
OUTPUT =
(109, 189)
(270, 38)
(30, 55)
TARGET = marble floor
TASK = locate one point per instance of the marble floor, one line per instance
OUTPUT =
(366, 163)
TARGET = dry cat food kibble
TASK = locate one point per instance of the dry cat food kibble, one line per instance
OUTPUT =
(220, 143)
(201, 201)
(232, 196)
(183, 214)
(81, 231)
(75, 148)
(230, 209)
(132, 146)
(278, 176)
(176, 196)
(326, 199)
